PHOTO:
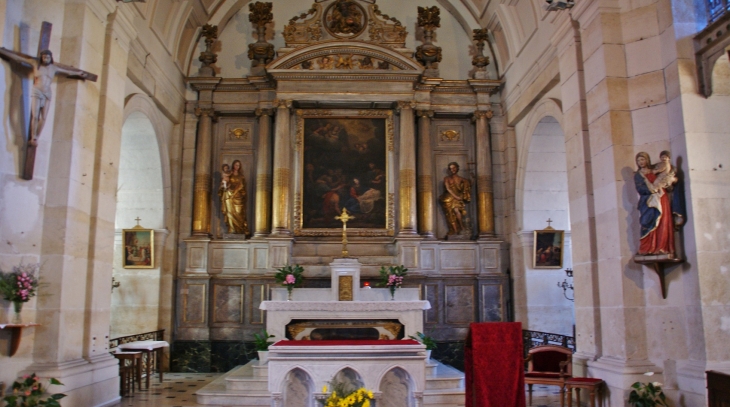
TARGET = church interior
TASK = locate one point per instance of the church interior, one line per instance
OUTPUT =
(561, 165)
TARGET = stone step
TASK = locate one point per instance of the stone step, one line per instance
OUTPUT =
(260, 369)
(217, 393)
(444, 397)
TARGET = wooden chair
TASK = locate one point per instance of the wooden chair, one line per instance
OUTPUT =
(549, 365)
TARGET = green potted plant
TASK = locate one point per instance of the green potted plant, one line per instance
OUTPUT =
(426, 340)
(647, 394)
(31, 392)
(261, 342)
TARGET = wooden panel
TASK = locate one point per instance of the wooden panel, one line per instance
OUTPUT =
(491, 303)
(229, 258)
(228, 300)
(194, 304)
(433, 295)
(256, 296)
(460, 304)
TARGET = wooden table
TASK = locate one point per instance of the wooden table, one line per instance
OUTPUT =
(136, 368)
(16, 331)
(152, 351)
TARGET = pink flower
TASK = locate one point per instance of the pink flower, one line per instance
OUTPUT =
(290, 279)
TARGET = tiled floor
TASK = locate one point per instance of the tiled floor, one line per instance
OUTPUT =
(178, 390)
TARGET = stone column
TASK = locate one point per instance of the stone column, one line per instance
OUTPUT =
(407, 165)
(281, 197)
(425, 176)
(582, 218)
(485, 197)
(263, 174)
(203, 148)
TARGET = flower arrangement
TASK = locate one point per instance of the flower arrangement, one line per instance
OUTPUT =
(392, 277)
(290, 276)
(647, 394)
(340, 397)
(19, 286)
(29, 393)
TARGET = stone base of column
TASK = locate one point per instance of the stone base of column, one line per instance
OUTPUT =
(692, 380)
(260, 235)
(281, 233)
(619, 375)
(408, 234)
(92, 382)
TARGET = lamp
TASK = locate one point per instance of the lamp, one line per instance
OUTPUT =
(553, 5)
(565, 285)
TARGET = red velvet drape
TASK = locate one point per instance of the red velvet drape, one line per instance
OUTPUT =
(494, 365)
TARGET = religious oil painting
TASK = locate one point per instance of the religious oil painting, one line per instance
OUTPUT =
(548, 249)
(139, 248)
(344, 167)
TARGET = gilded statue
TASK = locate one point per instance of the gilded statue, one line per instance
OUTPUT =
(232, 192)
(457, 193)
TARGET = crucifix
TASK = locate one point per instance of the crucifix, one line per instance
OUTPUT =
(549, 221)
(344, 217)
(44, 70)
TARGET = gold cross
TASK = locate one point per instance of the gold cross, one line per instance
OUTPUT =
(344, 217)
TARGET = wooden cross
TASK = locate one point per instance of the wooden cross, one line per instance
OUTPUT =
(44, 70)
(137, 219)
(344, 217)
(549, 221)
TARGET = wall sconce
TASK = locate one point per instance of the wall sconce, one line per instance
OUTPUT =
(565, 285)
(115, 283)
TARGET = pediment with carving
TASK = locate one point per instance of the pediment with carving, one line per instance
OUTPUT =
(344, 20)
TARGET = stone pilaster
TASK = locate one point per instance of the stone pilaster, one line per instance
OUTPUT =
(425, 175)
(407, 166)
(203, 151)
(263, 174)
(281, 222)
(485, 196)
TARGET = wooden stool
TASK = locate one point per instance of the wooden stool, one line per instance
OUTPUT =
(589, 383)
(153, 351)
(128, 371)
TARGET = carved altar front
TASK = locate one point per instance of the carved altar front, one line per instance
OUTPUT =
(398, 124)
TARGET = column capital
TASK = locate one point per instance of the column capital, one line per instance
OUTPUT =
(405, 104)
(205, 111)
(283, 103)
(263, 112)
(482, 114)
(425, 113)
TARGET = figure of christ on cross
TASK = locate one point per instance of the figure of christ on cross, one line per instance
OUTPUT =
(44, 70)
(344, 217)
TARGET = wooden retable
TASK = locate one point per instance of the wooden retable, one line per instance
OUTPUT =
(152, 351)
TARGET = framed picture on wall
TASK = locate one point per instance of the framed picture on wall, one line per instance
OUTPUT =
(139, 248)
(547, 252)
(344, 165)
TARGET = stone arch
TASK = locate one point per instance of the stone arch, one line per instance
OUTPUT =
(297, 388)
(397, 388)
(542, 193)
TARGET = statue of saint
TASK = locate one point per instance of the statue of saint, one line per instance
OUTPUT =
(457, 193)
(660, 206)
(233, 200)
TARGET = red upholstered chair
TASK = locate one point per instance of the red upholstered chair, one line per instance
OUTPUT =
(549, 365)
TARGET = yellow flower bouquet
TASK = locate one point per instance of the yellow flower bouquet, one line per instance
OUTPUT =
(342, 398)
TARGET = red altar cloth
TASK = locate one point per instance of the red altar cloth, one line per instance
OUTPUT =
(494, 365)
(347, 343)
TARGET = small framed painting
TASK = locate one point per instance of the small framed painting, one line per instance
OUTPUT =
(547, 252)
(139, 248)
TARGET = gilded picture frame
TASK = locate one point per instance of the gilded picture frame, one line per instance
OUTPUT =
(138, 248)
(344, 161)
(547, 252)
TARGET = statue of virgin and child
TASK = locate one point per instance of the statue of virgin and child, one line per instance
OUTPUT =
(661, 209)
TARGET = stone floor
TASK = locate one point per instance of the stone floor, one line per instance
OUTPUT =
(178, 390)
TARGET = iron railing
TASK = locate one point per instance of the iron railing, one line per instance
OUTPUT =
(531, 339)
(716, 8)
(147, 336)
